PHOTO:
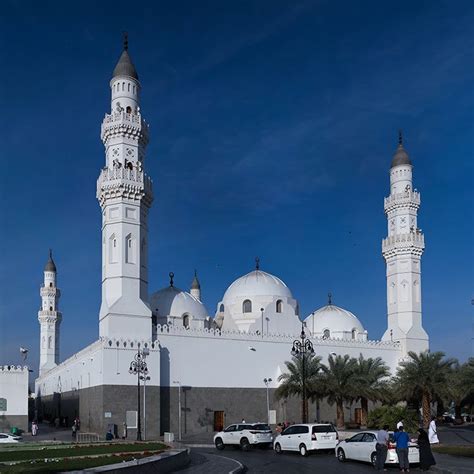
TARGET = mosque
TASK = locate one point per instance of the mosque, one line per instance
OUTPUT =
(204, 370)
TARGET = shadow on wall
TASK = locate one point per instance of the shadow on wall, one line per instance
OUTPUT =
(164, 390)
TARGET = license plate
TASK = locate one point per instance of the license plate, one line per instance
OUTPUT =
(325, 437)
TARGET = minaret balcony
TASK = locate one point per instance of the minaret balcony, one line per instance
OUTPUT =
(50, 291)
(124, 124)
(407, 199)
(413, 242)
(49, 316)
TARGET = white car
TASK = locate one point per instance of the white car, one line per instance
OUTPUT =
(9, 438)
(244, 435)
(361, 447)
(306, 438)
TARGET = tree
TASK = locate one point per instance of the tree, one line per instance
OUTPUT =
(370, 374)
(339, 382)
(459, 386)
(424, 376)
(291, 382)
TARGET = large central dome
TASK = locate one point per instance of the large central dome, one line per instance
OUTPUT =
(257, 283)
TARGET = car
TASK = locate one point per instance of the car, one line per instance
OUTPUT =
(244, 435)
(9, 438)
(361, 447)
(306, 438)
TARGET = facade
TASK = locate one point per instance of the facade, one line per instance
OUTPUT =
(13, 397)
(215, 365)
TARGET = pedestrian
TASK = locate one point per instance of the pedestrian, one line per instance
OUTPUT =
(56, 422)
(243, 420)
(279, 428)
(124, 430)
(400, 423)
(381, 448)
(433, 431)
(34, 428)
(74, 430)
(109, 436)
(402, 439)
(426, 456)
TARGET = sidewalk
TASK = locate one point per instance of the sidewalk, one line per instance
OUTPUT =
(447, 464)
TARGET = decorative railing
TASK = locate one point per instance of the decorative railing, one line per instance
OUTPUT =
(411, 239)
(123, 117)
(14, 368)
(405, 198)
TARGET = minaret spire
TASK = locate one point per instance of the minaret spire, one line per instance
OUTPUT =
(329, 299)
(125, 41)
(257, 264)
(196, 287)
(400, 138)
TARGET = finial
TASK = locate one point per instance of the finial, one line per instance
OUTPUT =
(125, 41)
(400, 138)
(195, 273)
(257, 263)
(171, 278)
(50, 254)
(329, 298)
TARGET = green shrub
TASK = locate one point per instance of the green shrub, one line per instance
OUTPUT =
(391, 415)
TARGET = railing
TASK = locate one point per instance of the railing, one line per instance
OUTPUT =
(412, 238)
(109, 174)
(122, 116)
(405, 197)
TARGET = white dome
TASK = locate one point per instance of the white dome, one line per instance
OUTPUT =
(172, 301)
(335, 322)
(257, 283)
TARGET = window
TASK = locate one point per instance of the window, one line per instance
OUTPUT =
(323, 429)
(129, 109)
(50, 342)
(50, 284)
(186, 320)
(368, 438)
(326, 334)
(230, 428)
(129, 249)
(129, 91)
(354, 333)
(301, 429)
(279, 305)
(3, 404)
(51, 308)
(131, 419)
(221, 308)
(290, 430)
(357, 438)
(113, 249)
(247, 306)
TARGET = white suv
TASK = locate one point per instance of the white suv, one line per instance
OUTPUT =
(306, 438)
(244, 435)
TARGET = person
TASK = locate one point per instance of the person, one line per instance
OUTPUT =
(109, 436)
(426, 456)
(243, 420)
(74, 430)
(400, 423)
(381, 448)
(402, 439)
(279, 428)
(34, 428)
(433, 432)
(124, 431)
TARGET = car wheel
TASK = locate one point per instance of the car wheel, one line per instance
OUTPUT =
(341, 455)
(219, 444)
(277, 448)
(244, 444)
(373, 459)
(303, 450)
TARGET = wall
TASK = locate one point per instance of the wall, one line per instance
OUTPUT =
(14, 388)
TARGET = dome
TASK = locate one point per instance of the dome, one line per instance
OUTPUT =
(172, 301)
(125, 67)
(50, 265)
(335, 322)
(401, 156)
(257, 283)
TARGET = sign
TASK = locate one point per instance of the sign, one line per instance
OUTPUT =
(272, 417)
(108, 414)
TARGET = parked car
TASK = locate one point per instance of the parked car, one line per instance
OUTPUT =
(361, 447)
(244, 435)
(306, 438)
(9, 438)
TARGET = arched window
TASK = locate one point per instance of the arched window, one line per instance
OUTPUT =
(354, 333)
(247, 306)
(50, 342)
(51, 308)
(221, 308)
(128, 88)
(279, 305)
(326, 334)
(50, 284)
(186, 320)
(129, 109)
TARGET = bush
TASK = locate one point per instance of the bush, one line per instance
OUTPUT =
(391, 415)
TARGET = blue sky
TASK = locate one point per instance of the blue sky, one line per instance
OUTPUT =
(273, 124)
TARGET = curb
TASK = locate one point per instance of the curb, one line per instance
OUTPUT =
(240, 467)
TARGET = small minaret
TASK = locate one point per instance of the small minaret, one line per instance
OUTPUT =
(196, 287)
(402, 251)
(49, 318)
(125, 195)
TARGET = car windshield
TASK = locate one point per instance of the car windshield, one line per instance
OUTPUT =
(324, 429)
(260, 427)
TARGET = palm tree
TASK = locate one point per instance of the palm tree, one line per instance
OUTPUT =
(460, 385)
(291, 382)
(340, 380)
(370, 374)
(424, 376)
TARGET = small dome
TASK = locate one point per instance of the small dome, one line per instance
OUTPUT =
(335, 322)
(257, 283)
(401, 156)
(50, 265)
(125, 67)
(195, 285)
(172, 301)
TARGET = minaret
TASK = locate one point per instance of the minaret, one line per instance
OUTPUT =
(125, 195)
(196, 287)
(402, 250)
(49, 318)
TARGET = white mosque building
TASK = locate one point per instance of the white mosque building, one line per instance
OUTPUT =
(215, 363)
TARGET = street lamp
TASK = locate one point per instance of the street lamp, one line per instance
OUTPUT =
(267, 382)
(177, 382)
(139, 368)
(301, 347)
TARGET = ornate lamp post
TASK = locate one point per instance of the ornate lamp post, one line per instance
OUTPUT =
(139, 368)
(301, 347)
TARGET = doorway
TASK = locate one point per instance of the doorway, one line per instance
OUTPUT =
(219, 420)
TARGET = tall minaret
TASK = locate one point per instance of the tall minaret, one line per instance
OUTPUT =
(196, 287)
(402, 250)
(49, 318)
(125, 195)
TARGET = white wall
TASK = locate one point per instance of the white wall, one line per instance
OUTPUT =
(14, 387)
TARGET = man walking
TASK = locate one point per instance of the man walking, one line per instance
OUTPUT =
(381, 448)
(402, 439)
